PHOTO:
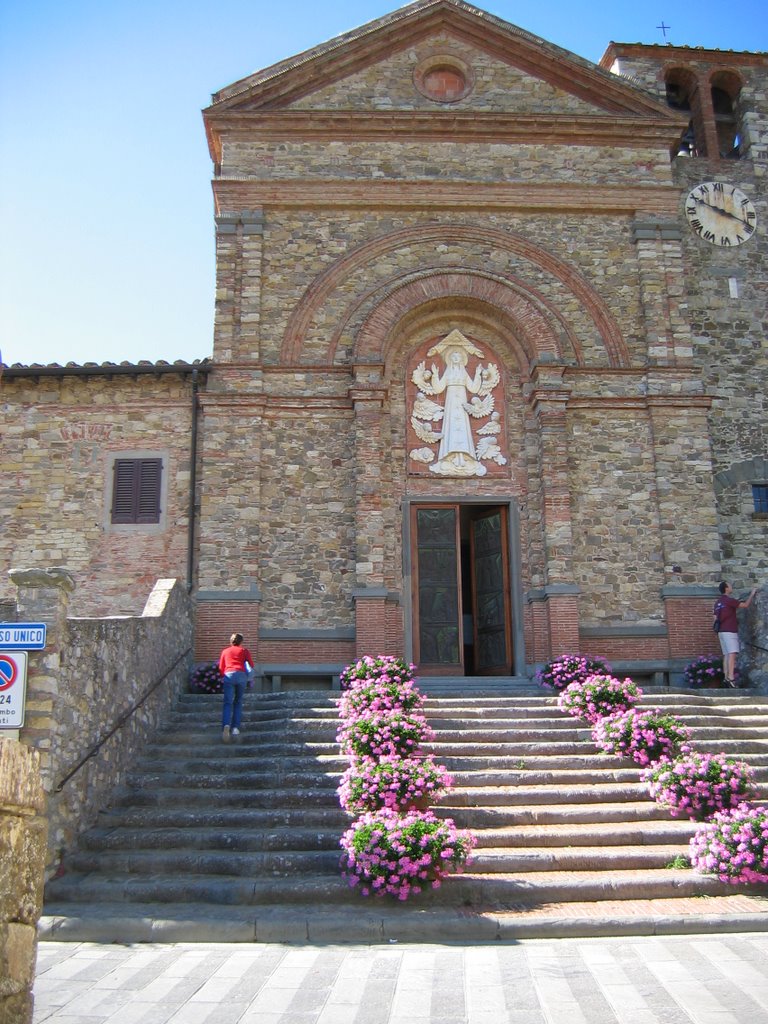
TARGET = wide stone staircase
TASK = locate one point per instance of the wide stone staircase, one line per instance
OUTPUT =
(240, 842)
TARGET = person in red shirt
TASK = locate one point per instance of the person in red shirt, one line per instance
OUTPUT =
(725, 615)
(235, 664)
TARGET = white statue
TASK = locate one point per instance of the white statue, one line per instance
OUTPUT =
(457, 455)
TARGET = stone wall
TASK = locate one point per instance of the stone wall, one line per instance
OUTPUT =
(60, 437)
(22, 859)
(97, 693)
(752, 663)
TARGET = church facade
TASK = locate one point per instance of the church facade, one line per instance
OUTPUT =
(488, 373)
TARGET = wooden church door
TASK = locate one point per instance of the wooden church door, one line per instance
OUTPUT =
(461, 590)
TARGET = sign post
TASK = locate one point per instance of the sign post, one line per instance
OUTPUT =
(13, 688)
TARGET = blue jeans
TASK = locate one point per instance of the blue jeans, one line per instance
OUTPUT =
(234, 688)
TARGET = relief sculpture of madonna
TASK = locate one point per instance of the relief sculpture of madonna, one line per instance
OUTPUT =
(459, 453)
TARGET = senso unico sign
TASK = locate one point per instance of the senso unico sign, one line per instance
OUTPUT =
(22, 636)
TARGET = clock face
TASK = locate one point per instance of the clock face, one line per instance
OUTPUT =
(720, 213)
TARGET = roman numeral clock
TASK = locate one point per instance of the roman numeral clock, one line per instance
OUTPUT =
(720, 213)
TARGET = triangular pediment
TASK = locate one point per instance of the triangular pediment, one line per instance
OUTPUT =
(520, 71)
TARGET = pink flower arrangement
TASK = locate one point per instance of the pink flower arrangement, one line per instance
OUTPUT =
(699, 785)
(597, 696)
(733, 845)
(384, 666)
(384, 733)
(398, 854)
(645, 736)
(381, 684)
(570, 668)
(395, 782)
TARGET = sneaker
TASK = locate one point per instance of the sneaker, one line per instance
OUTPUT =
(235, 732)
(225, 734)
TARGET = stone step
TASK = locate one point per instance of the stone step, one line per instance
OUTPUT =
(298, 863)
(230, 797)
(490, 815)
(244, 777)
(130, 833)
(251, 829)
(498, 890)
(236, 839)
(572, 834)
(194, 817)
(384, 921)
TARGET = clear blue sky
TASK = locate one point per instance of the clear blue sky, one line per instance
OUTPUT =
(106, 218)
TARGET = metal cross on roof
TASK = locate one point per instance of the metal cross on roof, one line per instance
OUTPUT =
(664, 28)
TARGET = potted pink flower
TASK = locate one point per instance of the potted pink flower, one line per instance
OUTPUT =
(645, 736)
(386, 853)
(570, 668)
(400, 783)
(699, 784)
(378, 734)
(733, 845)
(378, 684)
(597, 696)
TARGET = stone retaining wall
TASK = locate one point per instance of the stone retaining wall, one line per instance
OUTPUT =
(101, 687)
(22, 859)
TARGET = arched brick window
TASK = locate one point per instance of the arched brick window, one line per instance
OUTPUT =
(725, 95)
(682, 95)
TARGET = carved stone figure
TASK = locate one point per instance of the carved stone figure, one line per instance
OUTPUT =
(458, 454)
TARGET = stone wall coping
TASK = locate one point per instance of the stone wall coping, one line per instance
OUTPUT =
(553, 590)
(695, 590)
(340, 633)
(229, 595)
(622, 630)
(50, 578)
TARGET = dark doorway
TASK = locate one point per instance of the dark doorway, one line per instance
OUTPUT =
(461, 589)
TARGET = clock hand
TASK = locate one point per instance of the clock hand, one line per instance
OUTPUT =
(721, 213)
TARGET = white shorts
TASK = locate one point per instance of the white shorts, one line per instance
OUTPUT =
(729, 643)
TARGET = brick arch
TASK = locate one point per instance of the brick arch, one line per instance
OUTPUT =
(498, 293)
(331, 278)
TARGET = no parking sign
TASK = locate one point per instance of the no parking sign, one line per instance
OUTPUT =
(13, 687)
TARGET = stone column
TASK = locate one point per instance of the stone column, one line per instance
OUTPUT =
(22, 863)
(239, 248)
(368, 395)
(662, 291)
(549, 397)
(43, 596)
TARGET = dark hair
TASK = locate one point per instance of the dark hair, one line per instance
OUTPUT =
(723, 586)
(236, 639)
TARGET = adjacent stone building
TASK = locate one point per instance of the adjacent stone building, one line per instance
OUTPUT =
(488, 372)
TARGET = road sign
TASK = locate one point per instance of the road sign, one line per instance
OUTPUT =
(13, 688)
(25, 636)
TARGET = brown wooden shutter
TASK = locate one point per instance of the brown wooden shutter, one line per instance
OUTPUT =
(136, 491)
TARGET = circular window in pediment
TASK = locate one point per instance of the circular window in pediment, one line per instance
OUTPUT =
(444, 78)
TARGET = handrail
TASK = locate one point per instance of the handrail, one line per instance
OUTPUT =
(120, 721)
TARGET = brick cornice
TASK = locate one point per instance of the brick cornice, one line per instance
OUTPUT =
(599, 129)
(667, 54)
(233, 193)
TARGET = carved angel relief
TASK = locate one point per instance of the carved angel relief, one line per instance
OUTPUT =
(452, 445)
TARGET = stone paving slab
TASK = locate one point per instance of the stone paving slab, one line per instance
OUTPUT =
(715, 979)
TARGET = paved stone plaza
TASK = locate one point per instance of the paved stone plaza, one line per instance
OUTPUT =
(671, 980)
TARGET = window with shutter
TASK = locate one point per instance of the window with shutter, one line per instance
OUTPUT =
(136, 491)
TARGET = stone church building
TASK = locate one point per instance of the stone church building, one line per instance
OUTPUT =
(488, 372)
